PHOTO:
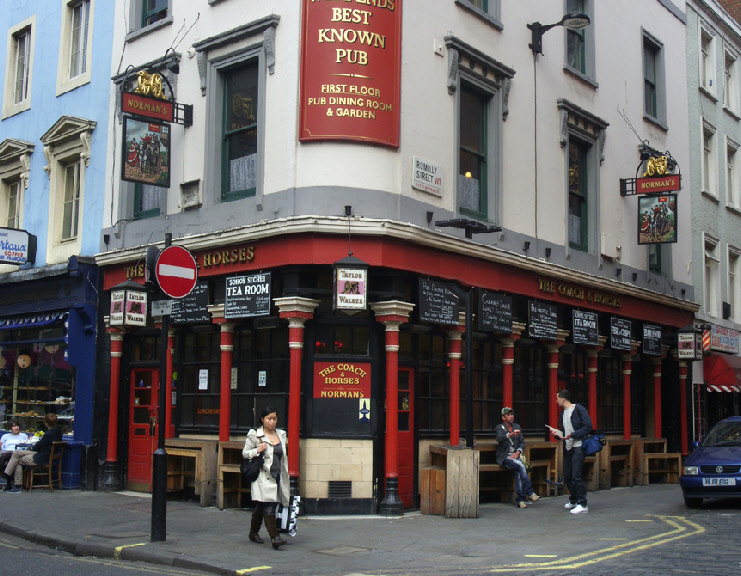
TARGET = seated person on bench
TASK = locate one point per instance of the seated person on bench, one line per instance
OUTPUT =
(8, 444)
(511, 447)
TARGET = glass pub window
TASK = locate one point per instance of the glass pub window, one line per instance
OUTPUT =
(472, 169)
(578, 225)
(239, 137)
(71, 210)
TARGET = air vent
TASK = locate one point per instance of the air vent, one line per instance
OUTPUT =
(340, 489)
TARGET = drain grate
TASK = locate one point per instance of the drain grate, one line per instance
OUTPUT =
(340, 489)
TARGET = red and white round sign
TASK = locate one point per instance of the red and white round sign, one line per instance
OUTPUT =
(176, 271)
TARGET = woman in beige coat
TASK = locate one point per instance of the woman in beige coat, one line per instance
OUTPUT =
(272, 485)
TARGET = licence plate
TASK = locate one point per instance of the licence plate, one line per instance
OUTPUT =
(718, 481)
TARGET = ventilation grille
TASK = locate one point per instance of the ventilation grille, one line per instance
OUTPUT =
(340, 489)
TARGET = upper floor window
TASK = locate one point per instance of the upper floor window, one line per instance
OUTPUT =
(708, 159)
(580, 43)
(711, 280)
(578, 196)
(654, 86)
(14, 212)
(71, 202)
(153, 11)
(730, 83)
(654, 258)
(146, 201)
(78, 38)
(22, 65)
(734, 290)
(707, 59)
(732, 185)
(489, 10)
(148, 15)
(19, 67)
(472, 153)
(75, 43)
(15, 164)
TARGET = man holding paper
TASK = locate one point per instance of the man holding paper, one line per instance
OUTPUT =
(576, 424)
(511, 445)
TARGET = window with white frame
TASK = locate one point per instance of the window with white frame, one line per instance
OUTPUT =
(730, 83)
(75, 45)
(711, 280)
(67, 150)
(708, 160)
(732, 185)
(15, 163)
(19, 68)
(488, 10)
(734, 290)
(580, 43)
(14, 211)
(654, 82)
(707, 59)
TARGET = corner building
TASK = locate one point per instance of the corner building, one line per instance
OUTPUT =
(433, 144)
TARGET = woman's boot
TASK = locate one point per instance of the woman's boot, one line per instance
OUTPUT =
(255, 526)
(272, 527)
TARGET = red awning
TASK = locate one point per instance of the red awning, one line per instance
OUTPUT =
(722, 373)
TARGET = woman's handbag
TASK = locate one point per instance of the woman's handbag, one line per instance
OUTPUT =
(250, 469)
(525, 462)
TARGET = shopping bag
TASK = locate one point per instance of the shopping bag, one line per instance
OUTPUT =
(287, 516)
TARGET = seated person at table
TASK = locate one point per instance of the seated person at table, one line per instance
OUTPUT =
(9, 442)
(510, 448)
(37, 455)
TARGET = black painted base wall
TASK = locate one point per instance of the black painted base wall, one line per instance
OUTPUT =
(338, 506)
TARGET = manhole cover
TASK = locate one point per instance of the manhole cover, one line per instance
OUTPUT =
(342, 550)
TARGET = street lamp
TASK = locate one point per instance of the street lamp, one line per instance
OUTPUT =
(571, 21)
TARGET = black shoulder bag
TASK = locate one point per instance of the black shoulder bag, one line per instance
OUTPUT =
(250, 469)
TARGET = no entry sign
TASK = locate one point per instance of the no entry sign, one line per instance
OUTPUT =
(176, 271)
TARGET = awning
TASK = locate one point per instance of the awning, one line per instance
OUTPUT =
(32, 320)
(722, 373)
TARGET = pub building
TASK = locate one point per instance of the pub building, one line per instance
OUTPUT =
(364, 395)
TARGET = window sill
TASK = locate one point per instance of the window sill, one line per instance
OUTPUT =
(731, 113)
(488, 18)
(14, 109)
(72, 83)
(239, 195)
(134, 34)
(710, 196)
(655, 121)
(581, 76)
(735, 209)
(708, 93)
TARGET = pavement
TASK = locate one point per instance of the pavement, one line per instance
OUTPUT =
(621, 524)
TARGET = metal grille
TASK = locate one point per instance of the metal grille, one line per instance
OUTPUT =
(340, 489)
(726, 469)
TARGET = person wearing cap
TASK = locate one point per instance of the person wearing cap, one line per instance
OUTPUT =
(511, 445)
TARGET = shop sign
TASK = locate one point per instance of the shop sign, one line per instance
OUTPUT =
(161, 308)
(116, 316)
(17, 246)
(657, 219)
(136, 308)
(247, 296)
(351, 288)
(575, 292)
(351, 71)
(427, 177)
(341, 380)
(542, 320)
(193, 307)
(437, 304)
(146, 152)
(652, 340)
(688, 347)
(620, 334)
(495, 312)
(667, 183)
(147, 107)
(724, 339)
(585, 327)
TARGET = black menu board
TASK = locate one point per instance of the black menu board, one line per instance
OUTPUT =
(495, 312)
(247, 296)
(437, 304)
(542, 320)
(585, 329)
(652, 340)
(620, 334)
(193, 307)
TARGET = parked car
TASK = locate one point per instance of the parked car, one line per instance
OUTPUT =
(713, 470)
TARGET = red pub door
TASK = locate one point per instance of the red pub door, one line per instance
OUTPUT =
(406, 436)
(142, 427)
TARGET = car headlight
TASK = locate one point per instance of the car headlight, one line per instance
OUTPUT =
(691, 470)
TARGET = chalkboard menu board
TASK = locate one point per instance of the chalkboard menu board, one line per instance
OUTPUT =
(652, 340)
(620, 334)
(585, 330)
(542, 320)
(247, 296)
(193, 307)
(437, 304)
(495, 312)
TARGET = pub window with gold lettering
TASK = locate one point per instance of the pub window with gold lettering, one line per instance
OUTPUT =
(239, 133)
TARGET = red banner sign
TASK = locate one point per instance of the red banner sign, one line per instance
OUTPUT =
(351, 71)
(666, 183)
(340, 380)
(148, 107)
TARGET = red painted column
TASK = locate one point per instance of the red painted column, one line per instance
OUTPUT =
(627, 371)
(592, 362)
(454, 353)
(508, 362)
(657, 397)
(683, 406)
(225, 399)
(116, 353)
(169, 427)
(553, 385)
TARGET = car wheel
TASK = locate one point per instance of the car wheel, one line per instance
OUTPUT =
(692, 502)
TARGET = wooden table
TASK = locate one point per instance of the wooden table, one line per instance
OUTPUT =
(652, 459)
(230, 486)
(616, 463)
(202, 469)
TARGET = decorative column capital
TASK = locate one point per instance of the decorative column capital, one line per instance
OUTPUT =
(392, 311)
(517, 329)
(216, 311)
(296, 307)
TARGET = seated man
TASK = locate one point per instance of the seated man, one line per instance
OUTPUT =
(8, 444)
(511, 446)
(37, 455)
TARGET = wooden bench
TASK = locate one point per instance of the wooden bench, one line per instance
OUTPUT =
(192, 461)
(616, 463)
(230, 487)
(652, 459)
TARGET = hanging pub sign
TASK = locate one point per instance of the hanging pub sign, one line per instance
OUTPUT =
(495, 312)
(146, 152)
(437, 304)
(658, 177)
(17, 246)
(350, 284)
(652, 340)
(657, 219)
(585, 329)
(247, 296)
(620, 334)
(689, 345)
(351, 71)
(116, 316)
(138, 105)
(542, 320)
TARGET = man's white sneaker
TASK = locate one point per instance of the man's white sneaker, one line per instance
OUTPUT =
(569, 505)
(580, 509)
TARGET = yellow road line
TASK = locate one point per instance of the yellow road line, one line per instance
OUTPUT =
(678, 532)
(255, 569)
(117, 553)
(541, 556)
(639, 520)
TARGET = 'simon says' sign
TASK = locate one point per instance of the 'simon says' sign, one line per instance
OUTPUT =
(341, 380)
(351, 71)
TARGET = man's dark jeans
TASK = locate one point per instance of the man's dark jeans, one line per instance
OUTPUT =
(573, 462)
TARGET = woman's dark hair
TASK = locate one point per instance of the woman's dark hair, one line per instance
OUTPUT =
(267, 410)
(13, 423)
(50, 419)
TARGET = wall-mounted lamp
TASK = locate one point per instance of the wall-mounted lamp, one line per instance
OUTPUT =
(526, 245)
(348, 210)
(572, 21)
(635, 276)
(430, 214)
(618, 271)
(547, 252)
(106, 239)
(684, 291)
